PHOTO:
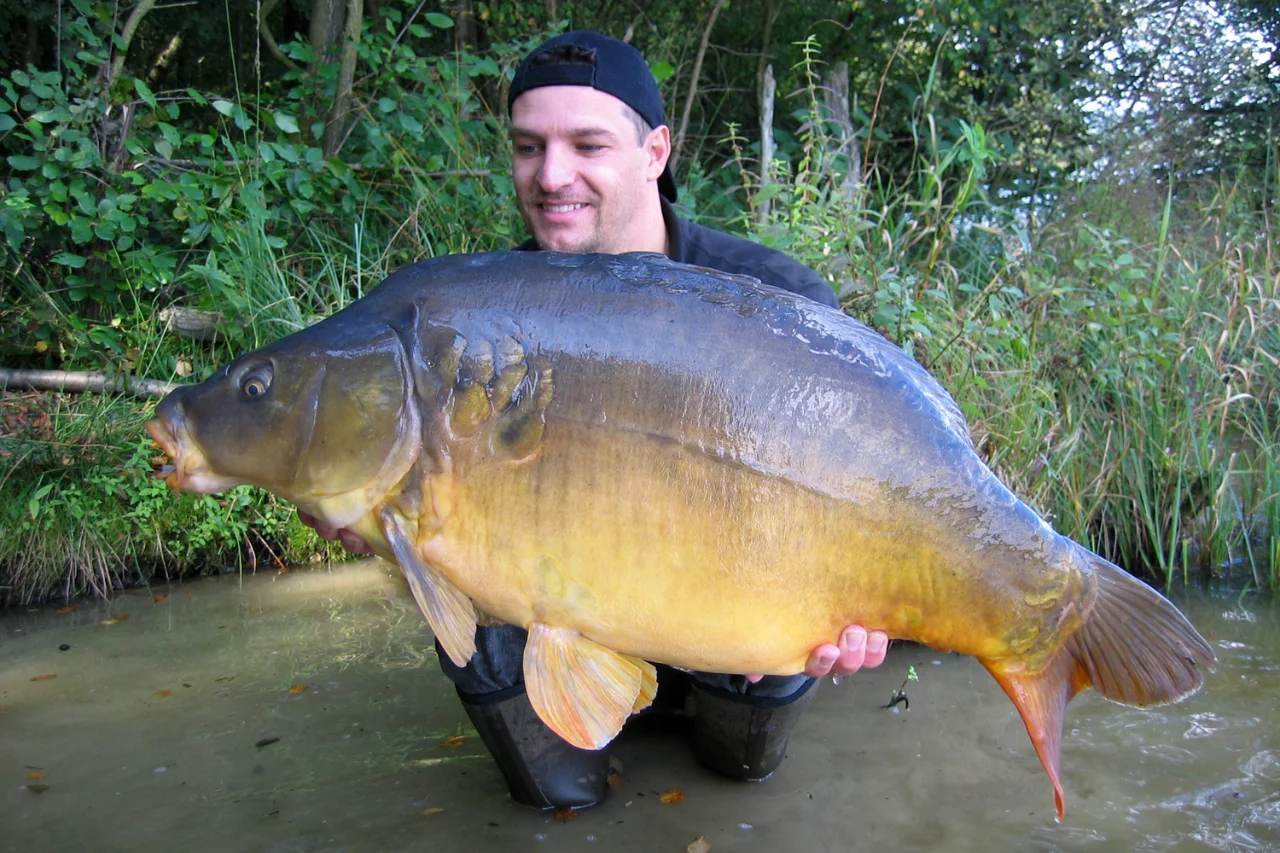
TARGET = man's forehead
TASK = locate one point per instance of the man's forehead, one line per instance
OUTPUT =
(578, 110)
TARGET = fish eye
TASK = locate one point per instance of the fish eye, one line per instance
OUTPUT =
(255, 383)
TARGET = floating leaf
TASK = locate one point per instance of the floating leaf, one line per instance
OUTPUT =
(49, 677)
(35, 776)
(699, 845)
(298, 688)
(614, 780)
(163, 692)
(161, 597)
(429, 812)
(453, 742)
(70, 608)
(674, 795)
(120, 617)
(566, 815)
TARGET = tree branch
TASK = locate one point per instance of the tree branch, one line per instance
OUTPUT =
(68, 380)
(693, 86)
(264, 31)
(126, 36)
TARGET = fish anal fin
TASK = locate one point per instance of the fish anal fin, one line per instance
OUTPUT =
(648, 683)
(583, 691)
(449, 611)
(1041, 700)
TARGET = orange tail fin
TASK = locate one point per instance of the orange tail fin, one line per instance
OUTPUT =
(1134, 647)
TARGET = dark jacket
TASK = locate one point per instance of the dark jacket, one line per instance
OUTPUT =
(706, 247)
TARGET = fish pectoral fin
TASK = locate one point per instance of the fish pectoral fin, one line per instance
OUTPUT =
(582, 690)
(1041, 700)
(449, 611)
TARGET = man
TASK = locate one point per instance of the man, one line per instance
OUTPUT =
(589, 159)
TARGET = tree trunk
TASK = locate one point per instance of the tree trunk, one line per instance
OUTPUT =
(335, 123)
(693, 86)
(464, 26)
(326, 24)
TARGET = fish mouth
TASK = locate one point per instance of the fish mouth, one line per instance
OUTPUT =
(190, 471)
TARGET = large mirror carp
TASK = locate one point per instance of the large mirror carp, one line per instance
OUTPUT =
(641, 461)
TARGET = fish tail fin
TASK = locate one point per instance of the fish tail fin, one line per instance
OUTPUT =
(1133, 647)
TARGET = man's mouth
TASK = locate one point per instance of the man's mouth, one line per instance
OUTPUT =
(562, 208)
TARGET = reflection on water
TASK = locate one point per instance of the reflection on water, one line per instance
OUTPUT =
(304, 712)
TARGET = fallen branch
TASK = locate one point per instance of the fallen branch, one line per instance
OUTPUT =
(75, 380)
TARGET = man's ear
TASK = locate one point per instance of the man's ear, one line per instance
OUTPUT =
(658, 147)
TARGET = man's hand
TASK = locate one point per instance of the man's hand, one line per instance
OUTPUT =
(350, 541)
(858, 648)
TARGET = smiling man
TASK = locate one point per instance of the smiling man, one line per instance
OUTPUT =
(589, 159)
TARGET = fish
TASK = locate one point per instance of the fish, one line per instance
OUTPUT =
(644, 462)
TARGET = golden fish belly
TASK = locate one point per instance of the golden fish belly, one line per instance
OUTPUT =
(663, 552)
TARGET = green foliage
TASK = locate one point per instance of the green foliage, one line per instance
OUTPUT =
(1114, 345)
(81, 509)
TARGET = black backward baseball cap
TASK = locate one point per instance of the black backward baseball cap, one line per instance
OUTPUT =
(608, 65)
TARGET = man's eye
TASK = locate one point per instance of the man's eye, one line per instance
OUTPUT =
(589, 148)
(526, 150)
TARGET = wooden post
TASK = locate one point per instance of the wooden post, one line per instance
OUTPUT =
(835, 97)
(768, 92)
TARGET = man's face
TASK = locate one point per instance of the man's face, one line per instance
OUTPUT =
(584, 180)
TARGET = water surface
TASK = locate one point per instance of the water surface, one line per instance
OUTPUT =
(305, 712)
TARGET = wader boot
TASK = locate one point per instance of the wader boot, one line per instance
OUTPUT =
(540, 768)
(741, 736)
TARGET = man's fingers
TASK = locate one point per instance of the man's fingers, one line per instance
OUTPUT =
(354, 543)
(853, 651)
(322, 530)
(877, 647)
(821, 660)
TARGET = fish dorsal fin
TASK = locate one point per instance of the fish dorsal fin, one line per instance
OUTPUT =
(450, 613)
(583, 691)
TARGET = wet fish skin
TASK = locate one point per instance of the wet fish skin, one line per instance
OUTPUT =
(641, 461)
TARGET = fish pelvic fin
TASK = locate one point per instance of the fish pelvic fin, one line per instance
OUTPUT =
(583, 691)
(449, 611)
(1133, 646)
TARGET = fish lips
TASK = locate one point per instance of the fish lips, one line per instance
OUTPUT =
(190, 470)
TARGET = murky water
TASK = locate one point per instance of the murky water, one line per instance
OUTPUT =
(154, 735)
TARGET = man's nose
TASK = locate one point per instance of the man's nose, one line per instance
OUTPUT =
(557, 170)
